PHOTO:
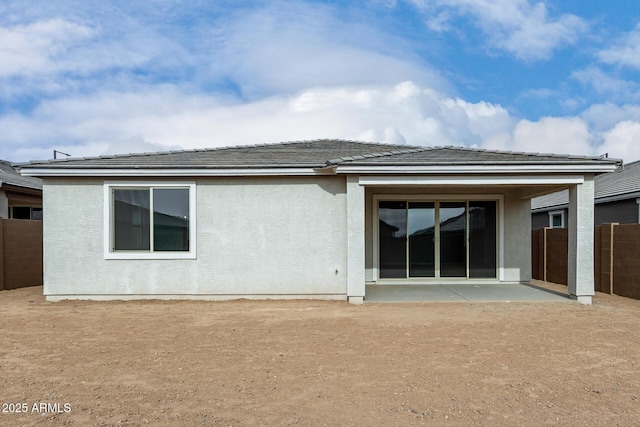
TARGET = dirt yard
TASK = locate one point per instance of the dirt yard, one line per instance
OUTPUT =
(318, 363)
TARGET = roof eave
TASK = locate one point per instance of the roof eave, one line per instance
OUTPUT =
(15, 188)
(311, 170)
(12, 184)
(480, 168)
(168, 172)
(543, 209)
(597, 200)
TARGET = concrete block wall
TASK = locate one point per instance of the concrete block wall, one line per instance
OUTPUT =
(20, 253)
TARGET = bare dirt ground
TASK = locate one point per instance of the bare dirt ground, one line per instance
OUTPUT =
(318, 363)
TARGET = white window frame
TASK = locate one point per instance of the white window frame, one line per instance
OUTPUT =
(109, 186)
(554, 213)
(499, 198)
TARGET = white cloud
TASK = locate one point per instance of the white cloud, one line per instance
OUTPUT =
(288, 48)
(302, 70)
(519, 27)
(259, 50)
(46, 54)
(574, 136)
(52, 47)
(552, 135)
(626, 51)
(136, 144)
(34, 48)
(602, 117)
(605, 83)
(168, 117)
(163, 118)
(621, 142)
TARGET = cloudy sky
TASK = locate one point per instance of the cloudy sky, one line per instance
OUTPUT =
(101, 77)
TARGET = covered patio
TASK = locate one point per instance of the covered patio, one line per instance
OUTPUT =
(448, 229)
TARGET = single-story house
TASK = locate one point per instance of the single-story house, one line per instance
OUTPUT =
(309, 219)
(616, 198)
(20, 197)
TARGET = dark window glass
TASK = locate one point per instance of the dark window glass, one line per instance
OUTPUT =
(421, 225)
(36, 213)
(453, 232)
(556, 220)
(482, 239)
(21, 212)
(131, 219)
(466, 235)
(171, 219)
(392, 230)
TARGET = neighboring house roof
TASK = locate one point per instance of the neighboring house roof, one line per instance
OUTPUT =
(9, 176)
(624, 183)
(318, 154)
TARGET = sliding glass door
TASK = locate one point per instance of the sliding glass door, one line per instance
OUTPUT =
(392, 234)
(482, 239)
(421, 217)
(453, 239)
(448, 239)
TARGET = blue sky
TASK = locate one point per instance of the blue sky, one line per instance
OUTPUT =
(99, 77)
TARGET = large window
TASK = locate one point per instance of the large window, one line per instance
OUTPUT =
(438, 239)
(150, 220)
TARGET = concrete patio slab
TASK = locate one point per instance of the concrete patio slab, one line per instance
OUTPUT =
(451, 293)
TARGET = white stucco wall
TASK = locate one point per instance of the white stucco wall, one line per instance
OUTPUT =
(581, 220)
(256, 236)
(355, 240)
(517, 241)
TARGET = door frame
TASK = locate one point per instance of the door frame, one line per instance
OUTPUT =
(409, 197)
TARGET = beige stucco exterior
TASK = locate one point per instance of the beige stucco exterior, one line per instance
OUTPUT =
(257, 237)
(270, 237)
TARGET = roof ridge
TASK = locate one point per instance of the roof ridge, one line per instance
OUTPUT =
(333, 162)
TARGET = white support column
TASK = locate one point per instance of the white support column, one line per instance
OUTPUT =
(355, 240)
(580, 274)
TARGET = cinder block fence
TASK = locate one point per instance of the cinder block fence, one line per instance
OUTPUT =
(616, 257)
(20, 253)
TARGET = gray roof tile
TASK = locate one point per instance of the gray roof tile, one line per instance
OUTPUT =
(8, 175)
(553, 200)
(315, 154)
(624, 181)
